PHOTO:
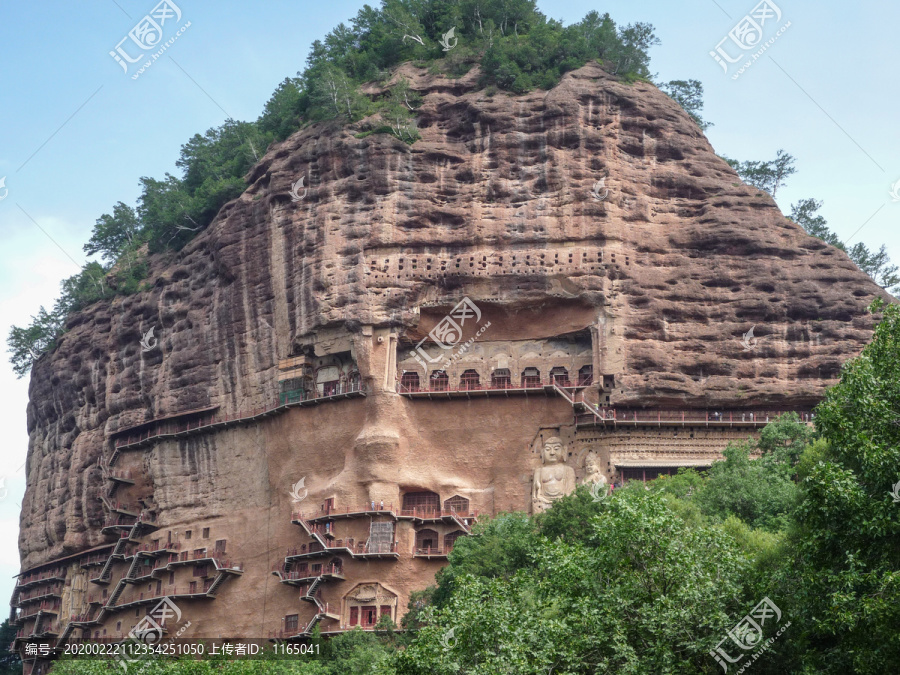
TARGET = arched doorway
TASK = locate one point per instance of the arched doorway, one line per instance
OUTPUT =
(501, 379)
(457, 504)
(439, 381)
(427, 541)
(409, 381)
(469, 379)
(450, 539)
(560, 376)
(422, 502)
(531, 377)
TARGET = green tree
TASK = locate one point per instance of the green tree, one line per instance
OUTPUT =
(9, 661)
(113, 233)
(497, 548)
(284, 112)
(877, 265)
(689, 95)
(27, 345)
(766, 175)
(760, 492)
(844, 571)
(785, 438)
(649, 594)
(333, 95)
(806, 214)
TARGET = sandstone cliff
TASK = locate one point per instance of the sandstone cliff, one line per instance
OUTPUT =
(497, 202)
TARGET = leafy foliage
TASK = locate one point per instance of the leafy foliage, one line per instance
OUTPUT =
(876, 264)
(622, 603)
(10, 664)
(766, 175)
(689, 95)
(844, 571)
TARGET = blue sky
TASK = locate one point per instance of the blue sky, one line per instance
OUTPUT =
(76, 132)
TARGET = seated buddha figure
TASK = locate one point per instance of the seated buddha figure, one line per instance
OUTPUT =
(552, 480)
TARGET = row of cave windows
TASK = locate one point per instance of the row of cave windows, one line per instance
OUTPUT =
(373, 264)
(501, 378)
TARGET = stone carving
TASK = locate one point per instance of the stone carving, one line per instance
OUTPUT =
(552, 480)
(593, 469)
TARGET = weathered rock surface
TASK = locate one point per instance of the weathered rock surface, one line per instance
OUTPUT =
(499, 202)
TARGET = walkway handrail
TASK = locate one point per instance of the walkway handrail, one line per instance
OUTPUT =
(527, 383)
(172, 428)
(753, 416)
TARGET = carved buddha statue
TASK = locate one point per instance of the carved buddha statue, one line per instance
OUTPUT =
(593, 470)
(552, 480)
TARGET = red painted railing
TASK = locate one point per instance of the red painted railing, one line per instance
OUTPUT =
(526, 383)
(56, 589)
(434, 551)
(388, 509)
(361, 547)
(93, 560)
(307, 574)
(659, 416)
(58, 573)
(434, 514)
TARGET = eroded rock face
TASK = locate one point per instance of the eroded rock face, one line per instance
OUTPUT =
(665, 266)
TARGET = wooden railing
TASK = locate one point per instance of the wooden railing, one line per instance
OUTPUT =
(58, 573)
(360, 547)
(754, 417)
(56, 590)
(434, 551)
(525, 383)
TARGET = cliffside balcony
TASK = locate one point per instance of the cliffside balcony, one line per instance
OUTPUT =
(39, 593)
(123, 476)
(464, 520)
(348, 512)
(158, 549)
(360, 550)
(122, 508)
(89, 619)
(32, 579)
(442, 389)
(739, 419)
(332, 391)
(96, 560)
(303, 578)
(186, 558)
(432, 553)
(142, 573)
